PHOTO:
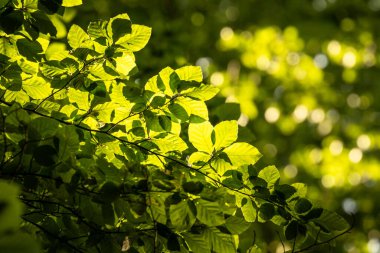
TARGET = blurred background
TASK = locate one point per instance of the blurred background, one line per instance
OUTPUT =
(302, 77)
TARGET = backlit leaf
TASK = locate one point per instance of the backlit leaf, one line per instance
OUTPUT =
(137, 39)
(77, 37)
(226, 133)
(241, 153)
(200, 136)
(270, 174)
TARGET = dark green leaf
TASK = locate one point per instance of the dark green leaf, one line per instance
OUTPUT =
(303, 205)
(43, 24)
(193, 187)
(291, 230)
(313, 214)
(45, 155)
(179, 112)
(237, 225)
(11, 20)
(50, 6)
(173, 243)
(109, 192)
(30, 49)
(266, 211)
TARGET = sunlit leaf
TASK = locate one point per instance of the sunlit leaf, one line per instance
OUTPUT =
(241, 153)
(137, 39)
(200, 136)
(270, 174)
(226, 133)
(77, 37)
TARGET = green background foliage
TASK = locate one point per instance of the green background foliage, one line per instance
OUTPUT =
(108, 157)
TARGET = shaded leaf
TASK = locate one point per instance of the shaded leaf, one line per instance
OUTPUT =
(209, 212)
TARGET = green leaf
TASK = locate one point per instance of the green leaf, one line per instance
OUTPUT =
(157, 100)
(209, 213)
(170, 142)
(197, 242)
(313, 214)
(108, 214)
(77, 37)
(45, 155)
(50, 6)
(179, 111)
(221, 242)
(200, 136)
(173, 243)
(181, 216)
(284, 191)
(119, 26)
(42, 128)
(270, 174)
(52, 69)
(109, 192)
(167, 81)
(79, 98)
(332, 221)
(190, 73)
(37, 88)
(11, 20)
(97, 29)
(199, 158)
(266, 211)
(241, 153)
(237, 225)
(291, 230)
(226, 133)
(32, 50)
(249, 211)
(254, 249)
(137, 39)
(71, 3)
(197, 109)
(302, 206)
(301, 189)
(6, 47)
(43, 24)
(193, 187)
(204, 92)
(68, 142)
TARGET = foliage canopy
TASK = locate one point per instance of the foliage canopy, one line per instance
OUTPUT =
(103, 163)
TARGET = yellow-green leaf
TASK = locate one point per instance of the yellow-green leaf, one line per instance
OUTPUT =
(200, 136)
(204, 92)
(77, 37)
(241, 153)
(136, 40)
(190, 73)
(226, 133)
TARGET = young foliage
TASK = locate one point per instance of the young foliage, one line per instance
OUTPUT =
(109, 165)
